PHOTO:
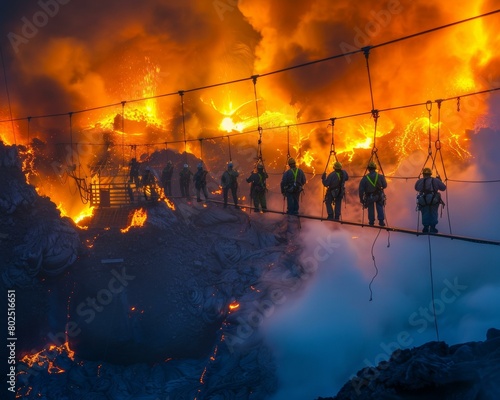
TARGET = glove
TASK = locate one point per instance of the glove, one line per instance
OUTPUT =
(323, 176)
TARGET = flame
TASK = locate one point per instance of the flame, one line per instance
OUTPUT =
(228, 125)
(89, 212)
(234, 306)
(139, 218)
(170, 204)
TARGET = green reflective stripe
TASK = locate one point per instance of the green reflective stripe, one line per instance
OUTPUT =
(295, 173)
(338, 174)
(369, 180)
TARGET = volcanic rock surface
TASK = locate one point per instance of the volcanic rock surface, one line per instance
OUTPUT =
(433, 371)
(33, 236)
(170, 309)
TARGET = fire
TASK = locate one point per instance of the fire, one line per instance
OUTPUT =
(89, 212)
(138, 219)
(234, 306)
(170, 204)
(307, 158)
(228, 125)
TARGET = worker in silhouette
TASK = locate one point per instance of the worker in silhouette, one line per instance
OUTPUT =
(335, 190)
(258, 188)
(371, 194)
(292, 185)
(166, 178)
(429, 199)
(134, 172)
(184, 179)
(229, 181)
(148, 184)
(200, 182)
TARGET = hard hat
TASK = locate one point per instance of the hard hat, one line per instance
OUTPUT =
(337, 165)
(230, 164)
(186, 166)
(260, 166)
(427, 171)
(372, 165)
(200, 166)
(291, 161)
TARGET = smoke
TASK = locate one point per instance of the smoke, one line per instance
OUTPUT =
(322, 339)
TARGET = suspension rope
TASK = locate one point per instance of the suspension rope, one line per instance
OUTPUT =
(366, 51)
(29, 120)
(123, 132)
(432, 289)
(374, 264)
(438, 151)
(71, 137)
(229, 147)
(181, 94)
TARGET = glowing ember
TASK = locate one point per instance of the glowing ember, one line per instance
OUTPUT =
(234, 306)
(138, 219)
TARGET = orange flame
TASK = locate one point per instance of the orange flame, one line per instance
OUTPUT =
(138, 219)
(170, 204)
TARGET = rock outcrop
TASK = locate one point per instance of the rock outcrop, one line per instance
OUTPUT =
(433, 371)
(33, 236)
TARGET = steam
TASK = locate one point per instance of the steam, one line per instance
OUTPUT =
(333, 330)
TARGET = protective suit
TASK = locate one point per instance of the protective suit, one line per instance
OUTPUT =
(335, 190)
(429, 199)
(258, 188)
(371, 194)
(292, 184)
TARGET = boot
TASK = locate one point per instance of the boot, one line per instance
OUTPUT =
(426, 229)
(433, 229)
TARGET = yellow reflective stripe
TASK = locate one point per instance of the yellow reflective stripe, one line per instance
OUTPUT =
(369, 180)
(295, 173)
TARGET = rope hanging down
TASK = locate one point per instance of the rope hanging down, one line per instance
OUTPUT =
(123, 132)
(332, 145)
(438, 151)
(181, 94)
(229, 147)
(259, 128)
(29, 120)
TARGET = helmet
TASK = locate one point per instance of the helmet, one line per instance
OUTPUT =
(427, 171)
(337, 165)
(230, 164)
(291, 161)
(186, 166)
(169, 162)
(148, 169)
(372, 165)
(200, 166)
(260, 166)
